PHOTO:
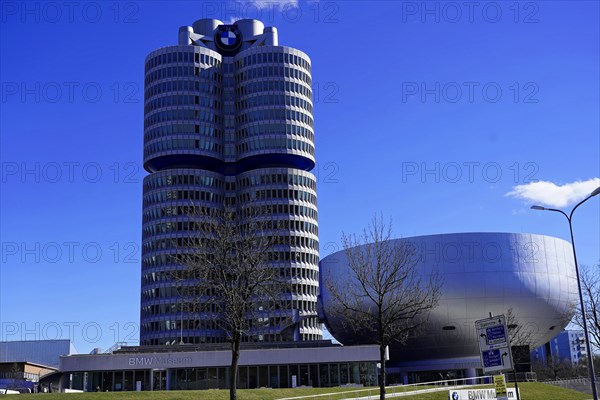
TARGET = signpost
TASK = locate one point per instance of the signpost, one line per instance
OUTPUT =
(494, 348)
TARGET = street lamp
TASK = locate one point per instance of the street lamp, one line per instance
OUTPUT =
(581, 303)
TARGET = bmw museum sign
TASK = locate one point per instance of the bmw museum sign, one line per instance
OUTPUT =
(479, 394)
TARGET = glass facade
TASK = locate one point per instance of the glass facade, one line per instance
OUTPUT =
(112, 381)
(228, 129)
(250, 377)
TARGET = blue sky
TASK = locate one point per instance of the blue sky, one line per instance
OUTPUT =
(428, 112)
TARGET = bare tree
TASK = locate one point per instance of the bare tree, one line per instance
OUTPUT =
(384, 296)
(556, 368)
(521, 338)
(228, 276)
(16, 376)
(590, 286)
(519, 334)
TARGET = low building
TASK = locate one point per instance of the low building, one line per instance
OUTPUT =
(186, 367)
(44, 352)
(23, 376)
(24, 363)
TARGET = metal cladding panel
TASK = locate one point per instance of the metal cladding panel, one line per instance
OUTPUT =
(534, 275)
(206, 26)
(45, 352)
(250, 27)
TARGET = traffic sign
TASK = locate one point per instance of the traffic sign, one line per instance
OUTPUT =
(495, 334)
(500, 387)
(494, 345)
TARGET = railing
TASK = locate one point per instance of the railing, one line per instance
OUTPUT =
(115, 347)
(398, 390)
(567, 381)
(581, 384)
(521, 376)
(530, 376)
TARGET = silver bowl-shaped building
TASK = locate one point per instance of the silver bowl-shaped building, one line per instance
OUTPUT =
(482, 273)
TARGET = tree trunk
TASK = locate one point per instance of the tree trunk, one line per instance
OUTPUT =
(235, 357)
(382, 372)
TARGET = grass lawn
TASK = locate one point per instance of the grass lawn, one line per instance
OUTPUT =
(529, 391)
(248, 394)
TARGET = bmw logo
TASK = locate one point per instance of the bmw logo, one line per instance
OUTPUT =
(454, 396)
(228, 39)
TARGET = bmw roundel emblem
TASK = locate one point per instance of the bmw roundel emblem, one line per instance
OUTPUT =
(454, 396)
(228, 38)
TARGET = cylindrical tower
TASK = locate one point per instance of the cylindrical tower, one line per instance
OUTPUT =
(183, 111)
(228, 120)
(274, 123)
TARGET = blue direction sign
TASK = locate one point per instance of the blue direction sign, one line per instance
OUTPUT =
(495, 335)
(493, 358)
(494, 344)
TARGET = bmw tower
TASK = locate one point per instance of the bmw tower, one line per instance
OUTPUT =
(228, 120)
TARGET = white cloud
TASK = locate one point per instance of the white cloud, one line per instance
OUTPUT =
(549, 194)
(232, 19)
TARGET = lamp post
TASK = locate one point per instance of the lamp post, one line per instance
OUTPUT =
(581, 303)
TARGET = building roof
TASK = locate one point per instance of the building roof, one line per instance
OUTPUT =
(44, 352)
